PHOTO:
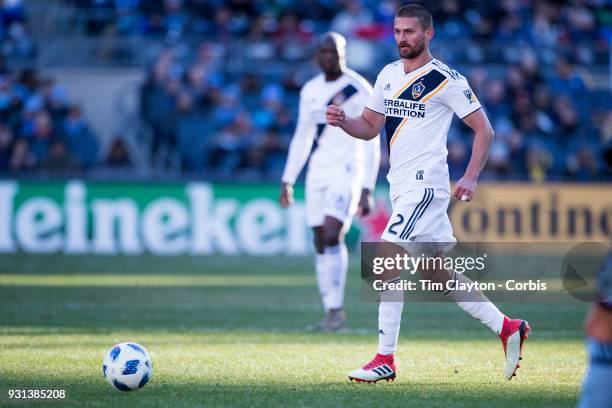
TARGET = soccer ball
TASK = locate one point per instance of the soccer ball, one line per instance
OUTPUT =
(127, 366)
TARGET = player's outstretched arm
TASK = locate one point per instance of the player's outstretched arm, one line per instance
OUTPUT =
(483, 137)
(299, 150)
(366, 126)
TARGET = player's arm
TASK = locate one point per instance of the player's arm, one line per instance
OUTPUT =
(483, 137)
(299, 149)
(365, 126)
(461, 99)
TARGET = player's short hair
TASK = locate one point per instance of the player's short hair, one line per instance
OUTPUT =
(418, 11)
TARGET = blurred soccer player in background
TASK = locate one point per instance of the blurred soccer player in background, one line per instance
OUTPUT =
(341, 174)
(415, 98)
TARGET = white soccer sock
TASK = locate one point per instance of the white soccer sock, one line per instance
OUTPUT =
(337, 262)
(324, 279)
(389, 320)
(477, 305)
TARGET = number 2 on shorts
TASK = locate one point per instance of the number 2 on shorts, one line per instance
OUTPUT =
(395, 224)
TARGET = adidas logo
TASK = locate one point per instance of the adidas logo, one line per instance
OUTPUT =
(388, 87)
(381, 332)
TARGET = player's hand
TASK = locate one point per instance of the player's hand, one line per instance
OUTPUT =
(334, 115)
(365, 202)
(286, 195)
(464, 188)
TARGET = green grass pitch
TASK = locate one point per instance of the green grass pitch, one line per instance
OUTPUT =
(227, 332)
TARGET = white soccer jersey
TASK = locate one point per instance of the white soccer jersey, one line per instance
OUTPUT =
(336, 155)
(419, 108)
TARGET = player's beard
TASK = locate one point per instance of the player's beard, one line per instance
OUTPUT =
(411, 52)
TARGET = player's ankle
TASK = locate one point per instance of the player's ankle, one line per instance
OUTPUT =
(385, 357)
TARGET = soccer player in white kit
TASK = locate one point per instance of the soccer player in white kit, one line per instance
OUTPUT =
(415, 99)
(341, 174)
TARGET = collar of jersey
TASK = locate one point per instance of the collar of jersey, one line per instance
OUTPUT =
(419, 69)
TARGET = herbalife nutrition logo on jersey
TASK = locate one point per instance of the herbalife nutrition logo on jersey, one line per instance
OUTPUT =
(404, 108)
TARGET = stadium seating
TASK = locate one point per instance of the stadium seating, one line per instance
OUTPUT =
(539, 69)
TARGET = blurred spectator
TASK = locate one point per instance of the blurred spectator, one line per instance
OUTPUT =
(268, 155)
(539, 161)
(190, 134)
(79, 138)
(349, 20)
(583, 165)
(567, 80)
(499, 159)
(22, 158)
(118, 155)
(59, 158)
(41, 136)
(232, 143)
(6, 145)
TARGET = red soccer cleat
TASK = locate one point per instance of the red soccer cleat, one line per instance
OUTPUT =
(382, 367)
(514, 332)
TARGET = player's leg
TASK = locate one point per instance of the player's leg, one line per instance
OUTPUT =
(327, 282)
(340, 204)
(391, 302)
(314, 198)
(336, 258)
(323, 280)
(435, 227)
(390, 307)
(512, 332)
(474, 302)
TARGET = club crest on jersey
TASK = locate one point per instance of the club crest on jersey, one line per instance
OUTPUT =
(417, 89)
(469, 95)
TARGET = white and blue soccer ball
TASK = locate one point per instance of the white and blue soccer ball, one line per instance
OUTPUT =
(127, 366)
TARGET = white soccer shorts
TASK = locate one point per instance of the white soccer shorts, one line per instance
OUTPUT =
(338, 200)
(421, 215)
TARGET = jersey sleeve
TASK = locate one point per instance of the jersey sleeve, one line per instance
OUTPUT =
(460, 97)
(376, 102)
(301, 142)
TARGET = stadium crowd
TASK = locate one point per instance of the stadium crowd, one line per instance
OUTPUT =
(553, 120)
(41, 130)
